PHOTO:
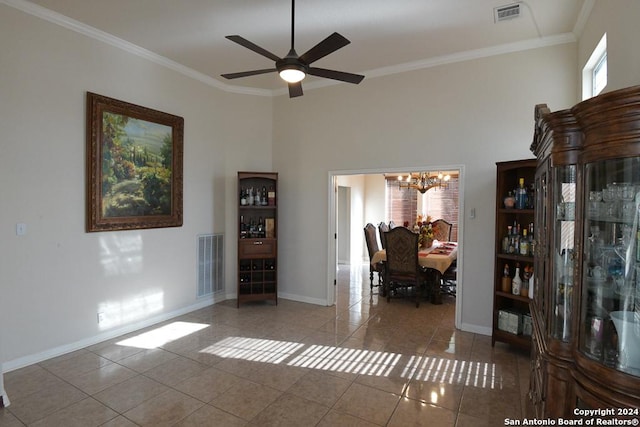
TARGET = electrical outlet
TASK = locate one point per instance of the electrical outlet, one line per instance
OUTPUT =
(100, 318)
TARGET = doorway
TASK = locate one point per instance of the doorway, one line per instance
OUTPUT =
(362, 206)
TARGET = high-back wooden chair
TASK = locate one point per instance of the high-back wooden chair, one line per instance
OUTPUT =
(370, 236)
(382, 228)
(441, 230)
(402, 269)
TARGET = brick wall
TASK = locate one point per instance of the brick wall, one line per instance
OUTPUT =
(402, 204)
(444, 204)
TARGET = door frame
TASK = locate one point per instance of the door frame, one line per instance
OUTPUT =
(332, 229)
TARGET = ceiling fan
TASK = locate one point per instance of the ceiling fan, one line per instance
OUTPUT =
(293, 67)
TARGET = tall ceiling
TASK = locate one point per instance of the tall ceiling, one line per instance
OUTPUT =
(386, 36)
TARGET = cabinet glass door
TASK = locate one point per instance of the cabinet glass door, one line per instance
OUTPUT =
(563, 256)
(610, 312)
(541, 233)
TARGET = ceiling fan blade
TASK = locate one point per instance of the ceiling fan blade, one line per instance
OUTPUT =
(332, 43)
(295, 89)
(247, 73)
(254, 47)
(336, 75)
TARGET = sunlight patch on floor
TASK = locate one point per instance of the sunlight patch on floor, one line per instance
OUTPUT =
(358, 361)
(163, 335)
(253, 349)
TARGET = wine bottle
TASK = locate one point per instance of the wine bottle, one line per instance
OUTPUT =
(521, 195)
(524, 243)
(250, 197)
(272, 196)
(243, 228)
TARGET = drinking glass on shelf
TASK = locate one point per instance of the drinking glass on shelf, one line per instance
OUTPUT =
(595, 203)
(611, 210)
(624, 191)
(628, 210)
(609, 195)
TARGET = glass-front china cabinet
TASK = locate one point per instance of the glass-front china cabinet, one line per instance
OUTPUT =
(610, 321)
(586, 310)
(557, 144)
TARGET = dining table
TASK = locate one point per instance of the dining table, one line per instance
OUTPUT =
(439, 256)
(435, 259)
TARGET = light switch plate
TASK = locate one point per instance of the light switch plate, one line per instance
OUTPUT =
(21, 229)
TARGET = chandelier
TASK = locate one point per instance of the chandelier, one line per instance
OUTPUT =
(424, 181)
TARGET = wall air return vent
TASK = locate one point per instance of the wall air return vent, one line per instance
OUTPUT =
(504, 13)
(210, 264)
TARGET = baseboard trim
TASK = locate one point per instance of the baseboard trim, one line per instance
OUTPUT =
(4, 399)
(299, 298)
(292, 297)
(481, 330)
(31, 359)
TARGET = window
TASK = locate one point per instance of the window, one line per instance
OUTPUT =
(594, 73)
(403, 205)
(599, 75)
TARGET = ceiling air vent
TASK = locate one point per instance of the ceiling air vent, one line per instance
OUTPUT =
(504, 13)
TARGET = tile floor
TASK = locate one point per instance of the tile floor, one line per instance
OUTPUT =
(364, 362)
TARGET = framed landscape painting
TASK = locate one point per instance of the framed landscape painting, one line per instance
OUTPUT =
(134, 166)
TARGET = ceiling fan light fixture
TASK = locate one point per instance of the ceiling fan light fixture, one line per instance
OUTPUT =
(293, 68)
(292, 74)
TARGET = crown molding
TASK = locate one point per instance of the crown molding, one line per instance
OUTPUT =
(474, 54)
(583, 16)
(453, 58)
(79, 27)
(94, 33)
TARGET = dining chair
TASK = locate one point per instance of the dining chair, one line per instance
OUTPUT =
(382, 228)
(392, 225)
(450, 280)
(402, 269)
(441, 230)
(372, 246)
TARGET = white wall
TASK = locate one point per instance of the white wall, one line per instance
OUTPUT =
(56, 278)
(473, 114)
(619, 20)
